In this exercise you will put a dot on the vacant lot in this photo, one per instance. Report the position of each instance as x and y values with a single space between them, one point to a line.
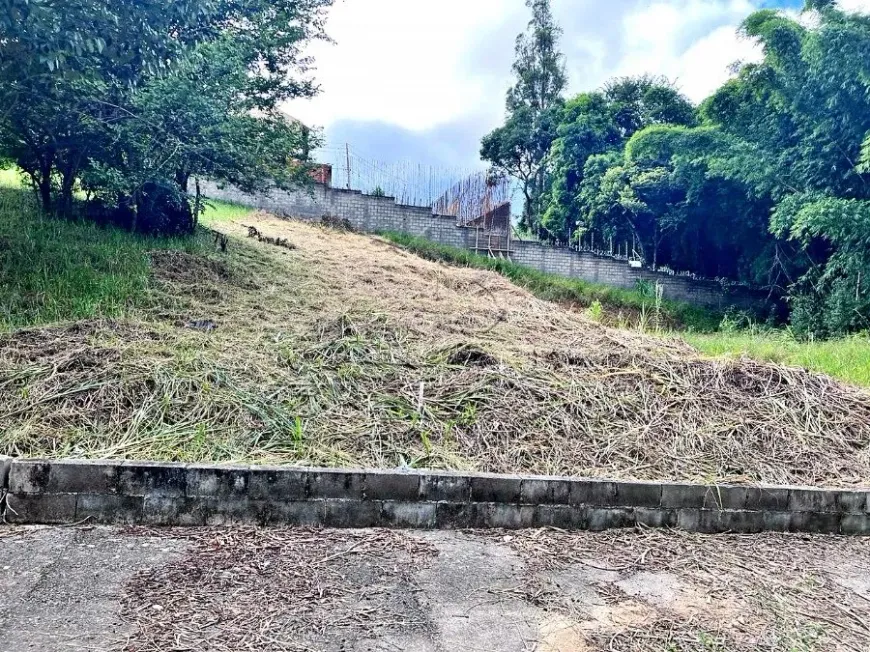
340 349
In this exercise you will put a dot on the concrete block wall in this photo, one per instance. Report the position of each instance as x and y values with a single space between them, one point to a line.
376 214
65 492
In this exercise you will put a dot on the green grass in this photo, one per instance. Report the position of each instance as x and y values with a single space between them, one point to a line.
552 287
54 270
219 211
10 178
847 359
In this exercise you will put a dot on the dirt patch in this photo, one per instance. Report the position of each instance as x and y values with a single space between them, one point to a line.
657 590
277 590
198 275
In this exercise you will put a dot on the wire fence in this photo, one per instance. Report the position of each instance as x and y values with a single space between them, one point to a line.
410 183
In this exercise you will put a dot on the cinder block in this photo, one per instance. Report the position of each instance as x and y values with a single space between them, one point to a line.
445 488
94 477
104 509
496 489
655 517
460 516
5 468
815 522
217 482
509 517
29 476
346 485
767 498
302 513
812 500
277 484
221 512
604 518
545 491
639 494
392 486
745 522
408 515
855 524
563 517
854 502
688 496
352 513
41 509
153 479
593 492
168 511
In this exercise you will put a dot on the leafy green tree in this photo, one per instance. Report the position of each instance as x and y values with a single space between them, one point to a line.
519 148
203 119
596 123
804 110
103 91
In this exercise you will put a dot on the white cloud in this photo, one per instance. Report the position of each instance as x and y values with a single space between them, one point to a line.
438 71
693 42
399 61
862 6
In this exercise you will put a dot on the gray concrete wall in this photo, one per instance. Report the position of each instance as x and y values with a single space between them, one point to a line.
63 492
376 214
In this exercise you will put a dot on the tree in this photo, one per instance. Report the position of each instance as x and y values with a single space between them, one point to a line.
601 122
204 119
804 110
519 148
91 82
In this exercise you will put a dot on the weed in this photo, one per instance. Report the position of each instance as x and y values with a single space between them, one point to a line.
595 311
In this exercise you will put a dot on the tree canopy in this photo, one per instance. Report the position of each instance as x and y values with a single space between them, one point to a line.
766 182
519 148
129 99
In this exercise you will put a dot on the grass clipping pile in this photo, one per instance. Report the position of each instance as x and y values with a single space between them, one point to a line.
347 351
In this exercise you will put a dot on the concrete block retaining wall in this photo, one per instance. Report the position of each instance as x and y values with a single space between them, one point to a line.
376 214
65 492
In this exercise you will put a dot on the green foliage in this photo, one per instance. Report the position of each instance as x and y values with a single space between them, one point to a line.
126 101
768 182
596 124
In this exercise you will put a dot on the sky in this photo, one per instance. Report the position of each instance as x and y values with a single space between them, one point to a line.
424 80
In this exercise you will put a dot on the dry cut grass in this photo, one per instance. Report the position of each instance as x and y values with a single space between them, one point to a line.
348 351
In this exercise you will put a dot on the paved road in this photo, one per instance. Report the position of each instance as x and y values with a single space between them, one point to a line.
105 589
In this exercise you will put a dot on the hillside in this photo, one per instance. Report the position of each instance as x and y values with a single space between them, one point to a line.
340 349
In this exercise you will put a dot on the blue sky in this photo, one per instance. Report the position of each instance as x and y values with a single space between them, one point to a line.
424 80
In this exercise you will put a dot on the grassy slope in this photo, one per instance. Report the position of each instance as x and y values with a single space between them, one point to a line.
848 359
620 307
349 351
53 270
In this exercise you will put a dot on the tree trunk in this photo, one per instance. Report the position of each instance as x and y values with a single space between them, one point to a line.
66 194
45 193
197 207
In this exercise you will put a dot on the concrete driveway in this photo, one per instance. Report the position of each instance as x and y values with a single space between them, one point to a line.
107 589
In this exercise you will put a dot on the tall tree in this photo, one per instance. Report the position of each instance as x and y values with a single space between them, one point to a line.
519 148
104 91
601 122
804 109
